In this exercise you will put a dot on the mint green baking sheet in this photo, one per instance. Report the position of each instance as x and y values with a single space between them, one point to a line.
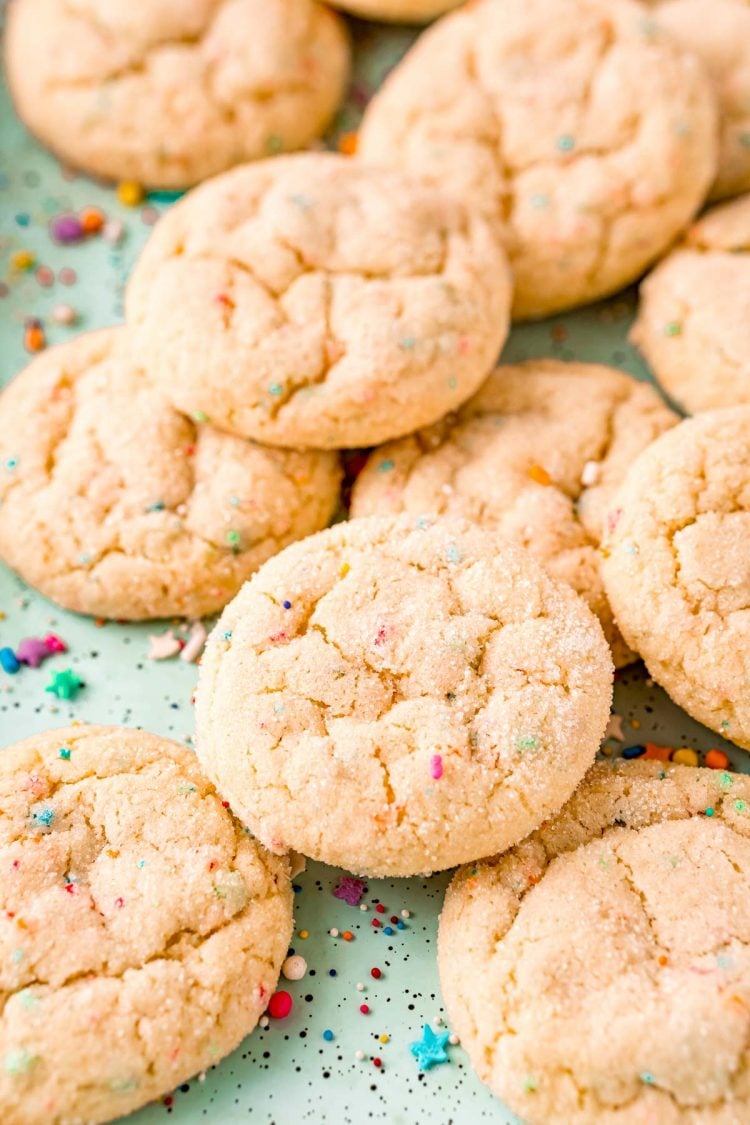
288 1073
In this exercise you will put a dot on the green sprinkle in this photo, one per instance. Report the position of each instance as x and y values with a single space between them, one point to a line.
740 806
16 956
408 343
157 507
276 389
725 780
234 501
529 1084
27 999
673 328
233 539
64 753
386 466
200 416
274 143
565 143
11 464
18 1061
228 635
453 554
526 742
123 1085
709 812
647 1078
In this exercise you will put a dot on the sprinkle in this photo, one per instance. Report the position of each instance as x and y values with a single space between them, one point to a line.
328 1035
67 229
162 646
539 200
65 685
377 1062
716 760
673 328
453 554
347 144
709 812
565 143
8 661
739 806
384 1039
344 570
436 767
430 1050
539 474
685 757
376 973
348 935
195 643
287 605
11 464
364 1009
18 1061
44 816
349 890
636 751
113 231
276 389
658 753
647 1078
526 742
304 934
22 261
333 932
54 643
614 728
280 1005
32 651
591 473
453 1039
34 339
233 539
406 914
64 753
92 220
387 931
64 314
360 986
264 1022
386 466
274 143
130 193
529 1084
359 1055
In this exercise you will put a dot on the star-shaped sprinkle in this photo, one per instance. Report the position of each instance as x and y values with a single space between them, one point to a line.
349 890
614 728
430 1049
65 685
163 645
32 651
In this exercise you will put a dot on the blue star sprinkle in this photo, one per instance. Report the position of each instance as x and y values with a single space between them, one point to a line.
430 1049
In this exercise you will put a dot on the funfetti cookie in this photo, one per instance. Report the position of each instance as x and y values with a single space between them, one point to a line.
169 93
535 455
624 921
580 127
397 696
719 33
312 301
693 323
677 566
142 930
113 503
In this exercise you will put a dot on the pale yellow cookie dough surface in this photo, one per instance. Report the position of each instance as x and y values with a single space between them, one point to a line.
396 11
312 301
693 324
719 33
112 503
599 973
677 566
579 126
169 92
395 696
536 455
142 930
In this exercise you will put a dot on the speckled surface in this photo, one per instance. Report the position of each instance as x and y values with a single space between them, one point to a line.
289 1072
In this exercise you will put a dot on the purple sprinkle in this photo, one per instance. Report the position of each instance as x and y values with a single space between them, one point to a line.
67 229
350 890
32 651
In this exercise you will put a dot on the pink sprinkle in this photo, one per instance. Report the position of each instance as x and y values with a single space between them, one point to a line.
119 903
436 767
54 643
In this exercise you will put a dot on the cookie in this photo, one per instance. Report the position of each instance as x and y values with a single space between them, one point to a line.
170 93
624 922
138 916
511 460
719 33
396 697
677 566
114 504
583 131
397 11
312 301
693 324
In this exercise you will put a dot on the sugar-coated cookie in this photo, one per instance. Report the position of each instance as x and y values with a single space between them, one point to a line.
396 11
169 92
719 32
312 301
599 973
397 696
536 455
693 323
677 566
112 503
578 125
142 930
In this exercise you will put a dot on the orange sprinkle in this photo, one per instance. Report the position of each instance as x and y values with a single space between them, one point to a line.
539 474
344 570
34 339
716 760
304 934
348 144
348 935
635 724
659 753
91 219
663 960
22 261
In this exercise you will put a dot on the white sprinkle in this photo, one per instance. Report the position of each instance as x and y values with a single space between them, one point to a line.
406 914
363 906
295 967
334 932
264 1021
360 986
453 1040
195 643
591 472
113 230
438 1021
64 314
359 1055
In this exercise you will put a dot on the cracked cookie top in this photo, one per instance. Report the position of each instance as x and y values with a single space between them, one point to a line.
136 911
623 922
693 322
577 125
511 460
114 504
397 696
677 566
312 301
172 91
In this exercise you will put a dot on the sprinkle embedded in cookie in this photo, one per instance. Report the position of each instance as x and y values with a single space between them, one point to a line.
312 301
397 696
580 127
114 504
168 93
511 460
624 920
136 912
677 566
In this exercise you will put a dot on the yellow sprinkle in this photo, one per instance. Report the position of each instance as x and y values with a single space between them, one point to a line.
344 570
685 757
130 193
23 260
384 1039
539 474
303 934
635 724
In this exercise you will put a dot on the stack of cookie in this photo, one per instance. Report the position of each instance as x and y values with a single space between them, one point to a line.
427 683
